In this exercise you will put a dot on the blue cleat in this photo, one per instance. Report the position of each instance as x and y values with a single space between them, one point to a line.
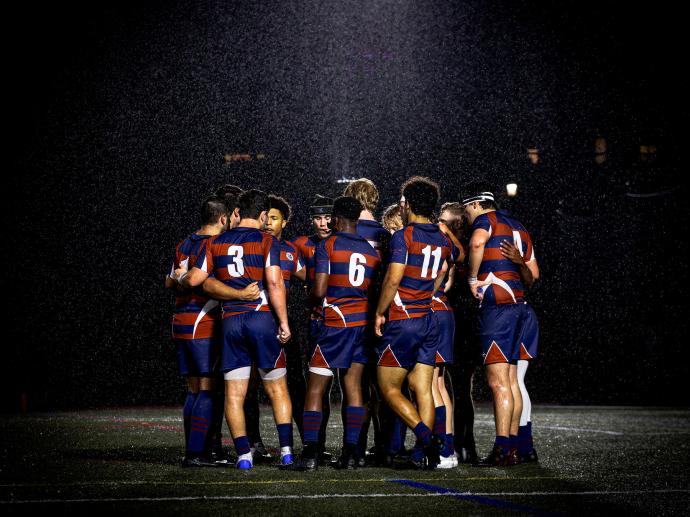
244 464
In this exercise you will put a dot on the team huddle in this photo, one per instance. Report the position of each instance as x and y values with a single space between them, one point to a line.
382 318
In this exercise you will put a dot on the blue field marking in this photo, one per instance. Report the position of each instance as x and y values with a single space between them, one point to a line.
466 496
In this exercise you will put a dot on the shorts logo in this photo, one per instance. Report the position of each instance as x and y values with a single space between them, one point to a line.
289 256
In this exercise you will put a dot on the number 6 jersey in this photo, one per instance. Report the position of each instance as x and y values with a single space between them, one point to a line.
351 263
422 248
237 258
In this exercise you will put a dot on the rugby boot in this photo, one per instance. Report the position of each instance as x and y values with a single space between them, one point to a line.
467 455
529 457
513 458
347 459
260 454
307 460
495 459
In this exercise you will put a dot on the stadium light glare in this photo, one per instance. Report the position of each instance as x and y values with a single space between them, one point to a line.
511 189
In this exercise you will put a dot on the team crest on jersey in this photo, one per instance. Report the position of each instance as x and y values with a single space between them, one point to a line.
289 256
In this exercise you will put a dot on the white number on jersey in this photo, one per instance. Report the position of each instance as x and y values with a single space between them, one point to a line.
357 271
428 253
236 267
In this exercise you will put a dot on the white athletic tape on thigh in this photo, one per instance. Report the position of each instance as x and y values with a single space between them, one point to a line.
321 371
271 374
238 374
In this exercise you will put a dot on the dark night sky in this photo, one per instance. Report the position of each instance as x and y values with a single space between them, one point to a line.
121 115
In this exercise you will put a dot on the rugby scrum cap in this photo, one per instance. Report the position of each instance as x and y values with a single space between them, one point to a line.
321 205
472 196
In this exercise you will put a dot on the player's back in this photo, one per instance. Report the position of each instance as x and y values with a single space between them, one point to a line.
189 303
239 257
422 248
375 234
506 286
351 263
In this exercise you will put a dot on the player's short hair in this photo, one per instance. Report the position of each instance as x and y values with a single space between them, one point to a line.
421 194
231 194
389 214
252 203
281 205
480 191
454 208
212 208
321 205
347 207
364 191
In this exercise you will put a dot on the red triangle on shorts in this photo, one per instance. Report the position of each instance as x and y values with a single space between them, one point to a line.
494 355
317 359
281 362
439 358
524 354
388 358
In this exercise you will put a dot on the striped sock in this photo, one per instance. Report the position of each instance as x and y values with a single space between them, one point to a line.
285 434
241 445
513 439
354 416
395 443
440 421
202 413
450 446
311 422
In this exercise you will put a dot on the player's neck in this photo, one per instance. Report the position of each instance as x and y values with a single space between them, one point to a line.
209 229
348 228
417 219
366 215
249 223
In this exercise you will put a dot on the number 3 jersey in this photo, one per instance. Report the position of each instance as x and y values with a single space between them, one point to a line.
421 248
351 263
504 275
237 258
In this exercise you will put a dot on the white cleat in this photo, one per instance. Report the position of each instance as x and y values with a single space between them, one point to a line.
448 462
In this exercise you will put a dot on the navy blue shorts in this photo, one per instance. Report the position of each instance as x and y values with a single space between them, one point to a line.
529 334
198 357
338 347
503 329
446 336
408 342
251 338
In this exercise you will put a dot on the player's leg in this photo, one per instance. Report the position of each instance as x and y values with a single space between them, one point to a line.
319 381
275 386
529 339
192 392
297 384
355 413
253 416
236 385
517 412
443 421
498 378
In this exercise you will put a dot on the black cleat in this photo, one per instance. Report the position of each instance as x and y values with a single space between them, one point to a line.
466 455
530 457
307 460
260 454
495 459
199 461
432 452
348 459
223 459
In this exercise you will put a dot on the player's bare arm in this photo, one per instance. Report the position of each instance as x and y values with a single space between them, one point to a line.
220 291
318 290
477 243
277 296
512 253
461 251
192 278
390 286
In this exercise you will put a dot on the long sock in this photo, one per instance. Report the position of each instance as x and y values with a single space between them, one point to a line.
285 434
354 416
504 443
217 420
252 415
440 421
325 415
513 440
525 444
187 416
450 446
241 445
395 444
202 414
364 436
423 434
311 422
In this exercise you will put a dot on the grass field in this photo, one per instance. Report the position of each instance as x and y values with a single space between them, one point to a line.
593 460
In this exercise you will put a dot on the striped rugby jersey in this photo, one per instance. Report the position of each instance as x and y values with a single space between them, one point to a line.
506 286
237 258
290 261
421 248
195 313
351 263
375 234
